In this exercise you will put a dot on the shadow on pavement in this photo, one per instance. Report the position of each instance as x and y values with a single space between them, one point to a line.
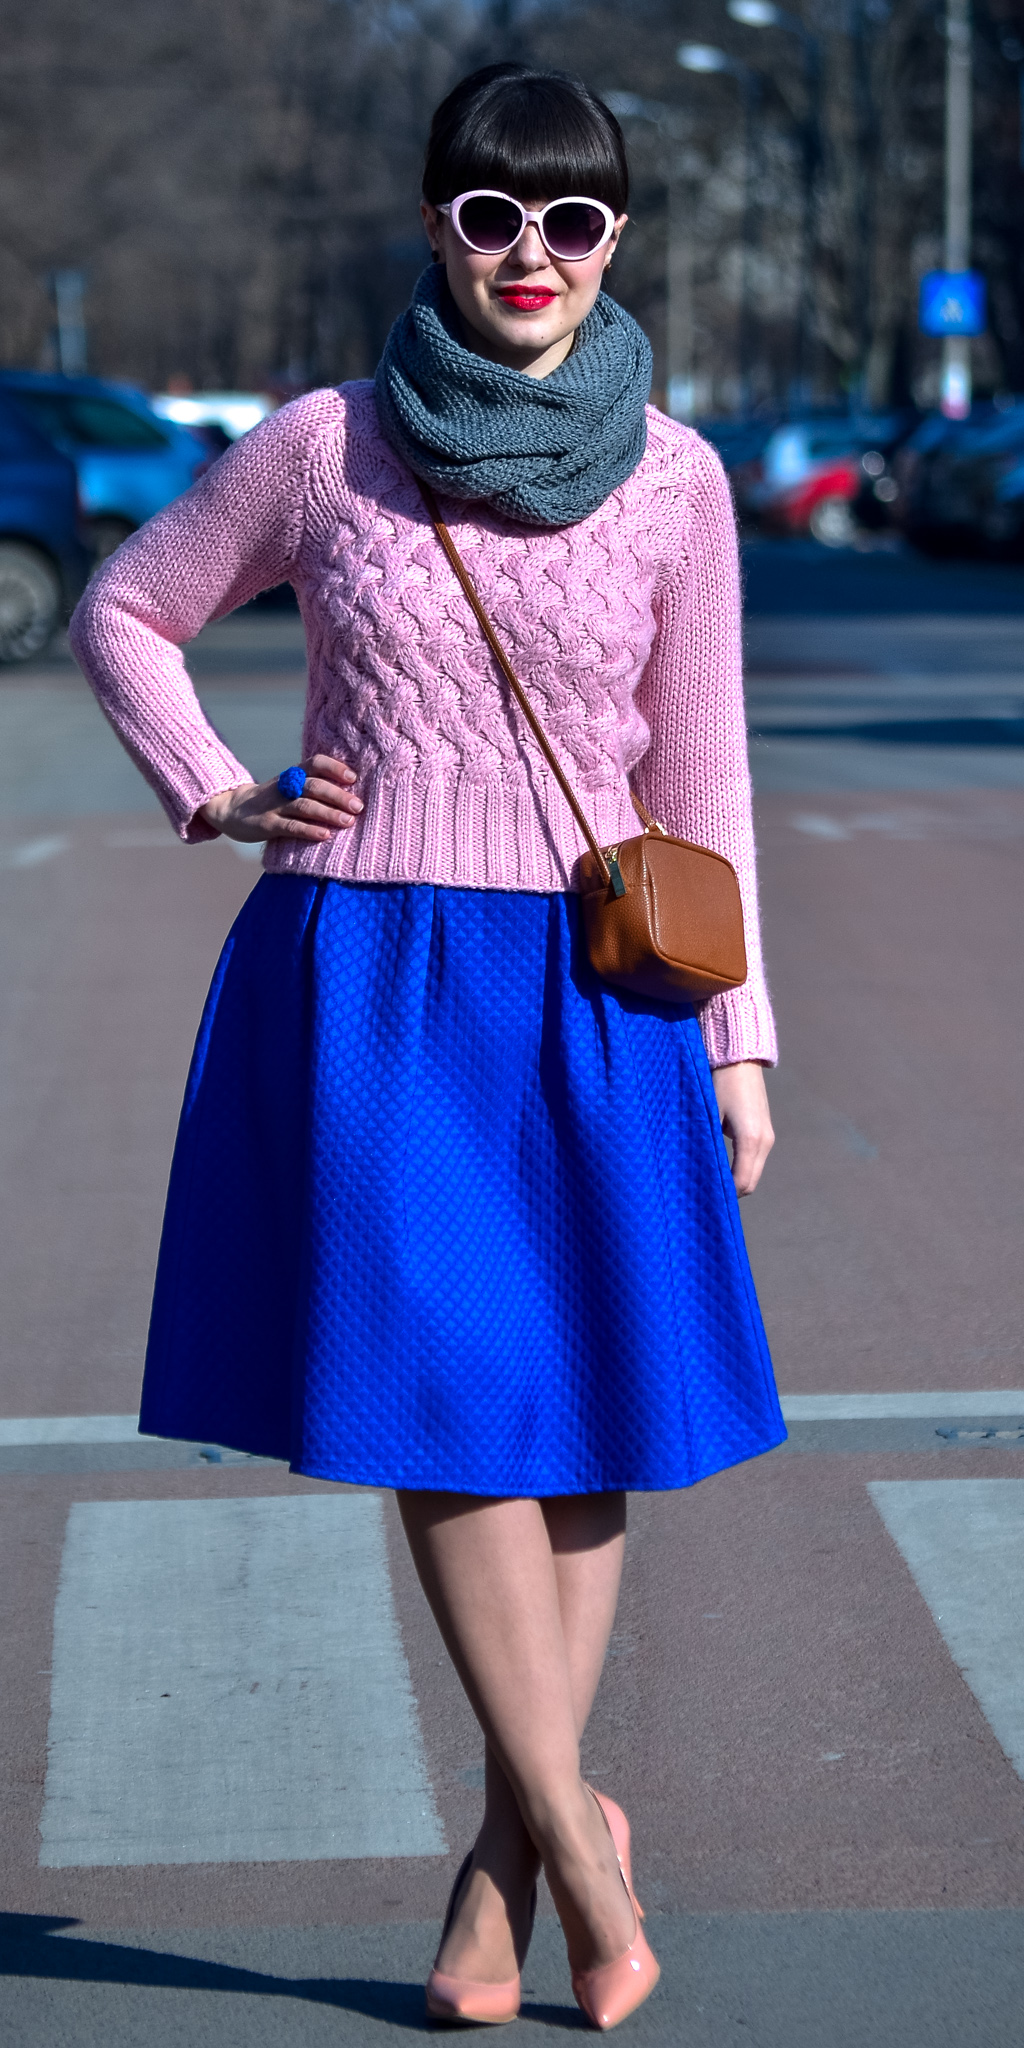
28 1950
907 732
792 576
566 2017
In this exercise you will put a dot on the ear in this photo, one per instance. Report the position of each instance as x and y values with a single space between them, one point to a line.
434 224
614 243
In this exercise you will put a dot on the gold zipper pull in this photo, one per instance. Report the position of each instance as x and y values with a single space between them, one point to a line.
611 854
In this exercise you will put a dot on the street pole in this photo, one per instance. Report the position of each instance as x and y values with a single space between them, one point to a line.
748 84
706 57
69 295
678 167
810 152
956 348
679 389
765 14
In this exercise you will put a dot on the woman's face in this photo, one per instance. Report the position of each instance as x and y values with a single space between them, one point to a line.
524 308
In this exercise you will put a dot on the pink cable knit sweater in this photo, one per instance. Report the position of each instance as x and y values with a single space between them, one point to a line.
625 629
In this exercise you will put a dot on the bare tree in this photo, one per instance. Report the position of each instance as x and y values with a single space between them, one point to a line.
240 184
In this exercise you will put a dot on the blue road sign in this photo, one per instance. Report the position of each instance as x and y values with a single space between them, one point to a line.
952 302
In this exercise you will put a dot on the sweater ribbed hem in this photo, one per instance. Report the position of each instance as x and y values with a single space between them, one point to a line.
462 835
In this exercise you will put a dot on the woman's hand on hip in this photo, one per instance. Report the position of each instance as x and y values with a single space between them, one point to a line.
257 810
746 1119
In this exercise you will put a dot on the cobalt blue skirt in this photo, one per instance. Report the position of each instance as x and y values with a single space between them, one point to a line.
448 1212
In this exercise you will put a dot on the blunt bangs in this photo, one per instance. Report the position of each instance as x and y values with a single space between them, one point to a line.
534 134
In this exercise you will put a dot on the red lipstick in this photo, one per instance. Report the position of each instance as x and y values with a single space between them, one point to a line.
527 298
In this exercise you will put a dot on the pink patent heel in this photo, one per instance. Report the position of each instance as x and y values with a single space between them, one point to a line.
461 1998
481 2005
608 1994
618 1828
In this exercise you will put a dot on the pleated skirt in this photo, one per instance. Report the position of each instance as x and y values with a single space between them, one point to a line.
447 1212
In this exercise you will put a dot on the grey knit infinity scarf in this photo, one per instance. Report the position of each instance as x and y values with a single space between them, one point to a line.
544 450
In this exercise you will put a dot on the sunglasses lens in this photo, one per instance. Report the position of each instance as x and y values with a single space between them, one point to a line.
490 224
573 229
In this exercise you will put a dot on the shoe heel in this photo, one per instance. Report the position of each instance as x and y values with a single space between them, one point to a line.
618 1828
610 1993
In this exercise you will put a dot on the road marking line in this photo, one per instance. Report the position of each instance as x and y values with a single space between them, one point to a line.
141 835
124 1429
963 1540
229 1686
32 852
901 1407
71 1429
819 827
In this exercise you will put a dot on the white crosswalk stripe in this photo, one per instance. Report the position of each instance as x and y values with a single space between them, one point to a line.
963 1540
229 1685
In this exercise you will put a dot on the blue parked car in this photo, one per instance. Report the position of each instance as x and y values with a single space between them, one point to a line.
965 490
43 564
129 461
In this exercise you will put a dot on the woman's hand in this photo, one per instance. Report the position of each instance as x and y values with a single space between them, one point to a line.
257 810
743 1107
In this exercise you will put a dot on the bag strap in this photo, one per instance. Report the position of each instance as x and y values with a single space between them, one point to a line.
514 683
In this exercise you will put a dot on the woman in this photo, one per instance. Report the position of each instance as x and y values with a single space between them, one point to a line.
448 1214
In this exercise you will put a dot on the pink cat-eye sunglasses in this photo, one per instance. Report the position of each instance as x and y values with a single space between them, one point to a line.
491 223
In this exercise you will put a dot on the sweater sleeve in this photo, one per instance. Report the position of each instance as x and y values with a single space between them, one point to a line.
694 776
235 533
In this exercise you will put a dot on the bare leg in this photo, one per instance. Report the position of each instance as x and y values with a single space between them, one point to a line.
524 1593
587 1534
487 1938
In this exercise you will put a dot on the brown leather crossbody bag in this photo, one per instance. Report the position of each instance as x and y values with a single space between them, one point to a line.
662 917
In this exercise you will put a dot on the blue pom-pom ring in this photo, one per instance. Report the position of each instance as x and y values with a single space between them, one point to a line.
292 782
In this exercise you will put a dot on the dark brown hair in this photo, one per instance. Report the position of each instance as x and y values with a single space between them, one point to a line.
534 134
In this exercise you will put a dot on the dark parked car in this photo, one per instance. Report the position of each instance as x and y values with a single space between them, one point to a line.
962 483
129 461
43 564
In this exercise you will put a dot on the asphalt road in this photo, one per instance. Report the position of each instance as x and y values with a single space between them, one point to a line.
236 1772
